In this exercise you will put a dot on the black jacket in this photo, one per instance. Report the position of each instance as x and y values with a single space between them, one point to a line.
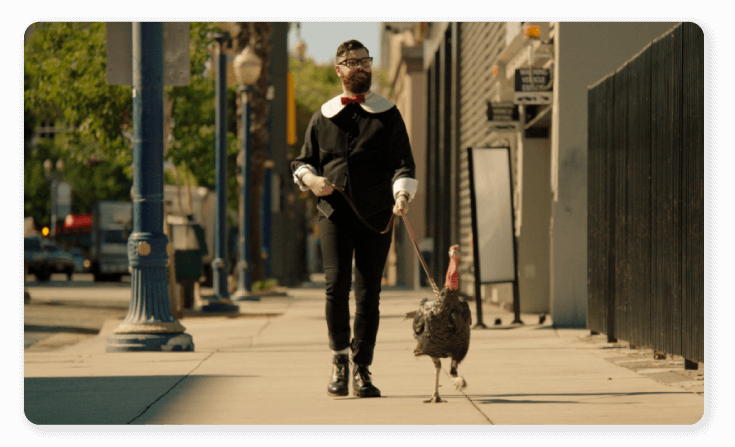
361 152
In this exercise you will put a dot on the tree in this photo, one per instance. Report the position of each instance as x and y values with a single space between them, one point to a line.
257 35
65 81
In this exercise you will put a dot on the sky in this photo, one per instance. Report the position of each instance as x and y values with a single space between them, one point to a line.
323 38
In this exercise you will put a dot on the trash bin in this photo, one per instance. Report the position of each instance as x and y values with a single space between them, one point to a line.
188 252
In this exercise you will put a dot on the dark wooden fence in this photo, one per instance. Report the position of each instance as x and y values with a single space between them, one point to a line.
646 198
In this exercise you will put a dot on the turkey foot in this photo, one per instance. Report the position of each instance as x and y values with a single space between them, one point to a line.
435 397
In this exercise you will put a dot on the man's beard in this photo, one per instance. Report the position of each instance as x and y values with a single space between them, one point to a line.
358 81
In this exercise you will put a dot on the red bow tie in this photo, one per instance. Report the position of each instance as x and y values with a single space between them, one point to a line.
358 99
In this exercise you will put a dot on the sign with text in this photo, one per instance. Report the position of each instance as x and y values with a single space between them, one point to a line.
533 86
502 117
502 111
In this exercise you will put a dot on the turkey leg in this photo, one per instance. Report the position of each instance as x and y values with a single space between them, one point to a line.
459 382
435 397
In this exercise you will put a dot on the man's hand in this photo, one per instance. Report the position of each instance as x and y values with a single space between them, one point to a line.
401 206
320 186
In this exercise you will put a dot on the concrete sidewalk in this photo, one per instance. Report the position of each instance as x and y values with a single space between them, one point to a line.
270 366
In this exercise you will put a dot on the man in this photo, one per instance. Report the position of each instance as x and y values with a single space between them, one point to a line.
357 142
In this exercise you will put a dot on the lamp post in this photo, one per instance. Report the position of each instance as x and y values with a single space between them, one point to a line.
247 67
149 324
54 178
220 302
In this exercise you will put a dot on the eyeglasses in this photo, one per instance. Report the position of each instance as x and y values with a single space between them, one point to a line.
352 63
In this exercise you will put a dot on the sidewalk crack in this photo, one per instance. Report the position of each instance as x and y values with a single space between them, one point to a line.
170 389
489 421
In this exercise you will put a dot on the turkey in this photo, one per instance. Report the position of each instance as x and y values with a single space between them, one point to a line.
442 326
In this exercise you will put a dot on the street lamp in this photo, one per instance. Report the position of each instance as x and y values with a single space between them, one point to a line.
247 66
220 302
149 324
54 178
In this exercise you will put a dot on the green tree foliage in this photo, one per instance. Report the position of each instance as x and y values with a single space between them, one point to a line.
313 86
65 81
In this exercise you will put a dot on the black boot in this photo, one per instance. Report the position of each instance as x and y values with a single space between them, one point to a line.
340 375
362 385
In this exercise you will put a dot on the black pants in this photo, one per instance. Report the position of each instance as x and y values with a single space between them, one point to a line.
342 235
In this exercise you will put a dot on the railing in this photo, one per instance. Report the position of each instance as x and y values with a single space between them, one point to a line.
646 198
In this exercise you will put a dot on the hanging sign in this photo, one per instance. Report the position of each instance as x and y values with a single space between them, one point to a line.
533 86
502 116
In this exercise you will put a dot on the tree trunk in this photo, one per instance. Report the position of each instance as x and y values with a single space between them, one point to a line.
257 34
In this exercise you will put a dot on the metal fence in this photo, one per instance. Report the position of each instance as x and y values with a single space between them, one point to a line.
646 198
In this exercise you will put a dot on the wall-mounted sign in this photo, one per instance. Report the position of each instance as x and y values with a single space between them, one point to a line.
502 116
502 111
533 86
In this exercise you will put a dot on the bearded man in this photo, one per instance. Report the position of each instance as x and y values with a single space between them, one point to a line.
356 143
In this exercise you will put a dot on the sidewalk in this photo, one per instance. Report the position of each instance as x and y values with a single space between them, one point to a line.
270 366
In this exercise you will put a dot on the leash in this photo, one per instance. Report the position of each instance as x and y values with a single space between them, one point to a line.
421 257
357 213
387 229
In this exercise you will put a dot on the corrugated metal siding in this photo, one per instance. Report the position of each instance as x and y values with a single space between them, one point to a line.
480 46
646 213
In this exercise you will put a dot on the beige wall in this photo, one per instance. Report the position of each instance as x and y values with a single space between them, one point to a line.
585 53
409 95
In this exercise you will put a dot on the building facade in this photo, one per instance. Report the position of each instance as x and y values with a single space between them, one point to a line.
469 70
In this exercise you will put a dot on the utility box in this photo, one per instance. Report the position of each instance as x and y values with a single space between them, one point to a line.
187 241
187 252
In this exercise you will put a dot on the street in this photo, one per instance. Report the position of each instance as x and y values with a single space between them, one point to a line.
63 313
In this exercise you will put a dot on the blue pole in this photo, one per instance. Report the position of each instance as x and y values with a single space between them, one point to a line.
245 233
244 285
267 189
221 299
149 324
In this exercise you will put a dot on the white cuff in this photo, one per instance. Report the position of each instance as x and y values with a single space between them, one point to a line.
303 169
407 184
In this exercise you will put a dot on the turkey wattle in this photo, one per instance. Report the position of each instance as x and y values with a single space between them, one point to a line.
442 326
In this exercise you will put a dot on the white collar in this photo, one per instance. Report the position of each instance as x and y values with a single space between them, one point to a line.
374 103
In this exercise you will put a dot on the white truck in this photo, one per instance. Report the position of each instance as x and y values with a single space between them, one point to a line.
112 224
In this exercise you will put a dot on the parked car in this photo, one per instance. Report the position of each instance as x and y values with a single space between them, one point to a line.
44 258
34 256
57 260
